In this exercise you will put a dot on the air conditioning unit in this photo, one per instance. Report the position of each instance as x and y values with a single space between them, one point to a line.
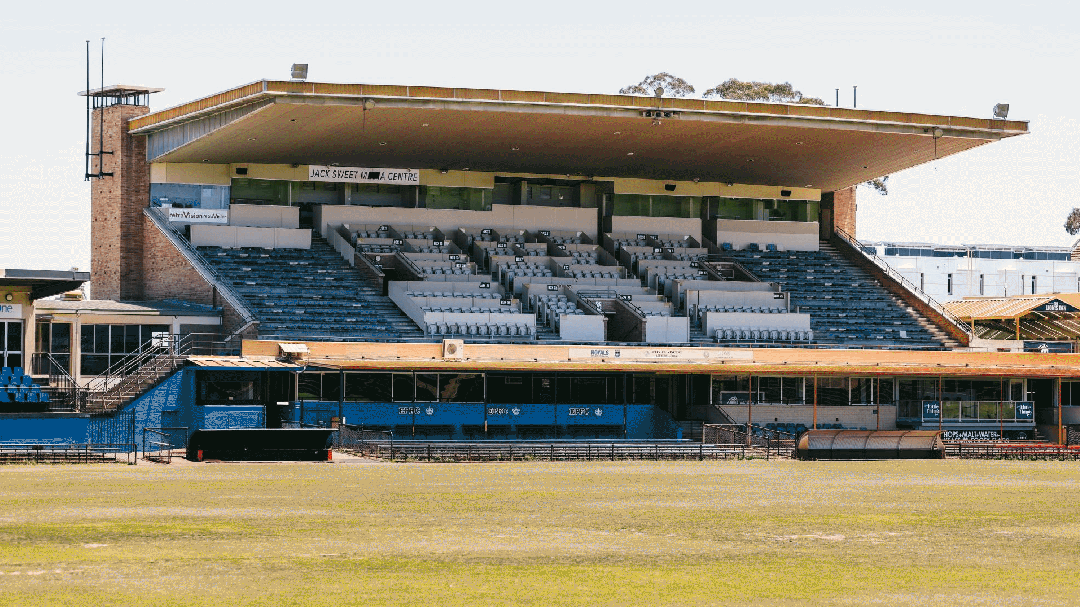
453 349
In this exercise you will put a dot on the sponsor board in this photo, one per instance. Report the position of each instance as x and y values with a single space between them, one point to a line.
198 215
363 175
681 354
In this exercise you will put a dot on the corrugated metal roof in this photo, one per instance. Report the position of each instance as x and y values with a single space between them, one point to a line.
998 307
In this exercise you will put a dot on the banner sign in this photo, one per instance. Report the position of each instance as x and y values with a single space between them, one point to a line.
1055 305
931 409
681 354
361 175
10 310
1025 411
198 215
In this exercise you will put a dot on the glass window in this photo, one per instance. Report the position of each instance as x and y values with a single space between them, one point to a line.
93 364
461 387
259 191
427 387
862 390
769 389
14 337
832 391
331 386
792 390
731 389
86 339
369 387
642 390
61 337
404 387
509 389
436 197
310 386
884 394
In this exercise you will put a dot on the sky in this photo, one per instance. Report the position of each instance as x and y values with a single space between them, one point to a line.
935 57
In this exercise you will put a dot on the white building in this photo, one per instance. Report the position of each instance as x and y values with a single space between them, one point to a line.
952 272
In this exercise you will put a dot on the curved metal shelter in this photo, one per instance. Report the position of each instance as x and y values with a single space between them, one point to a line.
870 444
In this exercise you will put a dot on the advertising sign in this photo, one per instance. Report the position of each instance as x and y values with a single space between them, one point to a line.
198 215
363 175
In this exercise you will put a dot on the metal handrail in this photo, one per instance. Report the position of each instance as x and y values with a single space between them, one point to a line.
192 255
898 277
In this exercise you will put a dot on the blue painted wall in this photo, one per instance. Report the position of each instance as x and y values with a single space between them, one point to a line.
641 421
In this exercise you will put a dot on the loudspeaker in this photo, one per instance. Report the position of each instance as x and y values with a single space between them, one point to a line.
669 187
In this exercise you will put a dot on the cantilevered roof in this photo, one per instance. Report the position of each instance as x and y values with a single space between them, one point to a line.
826 148
44 283
1052 316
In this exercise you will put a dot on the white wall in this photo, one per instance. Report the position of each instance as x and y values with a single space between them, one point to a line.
1002 277
786 235
232 237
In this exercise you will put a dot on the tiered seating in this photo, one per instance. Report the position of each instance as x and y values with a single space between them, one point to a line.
551 308
763 335
309 293
846 305
19 393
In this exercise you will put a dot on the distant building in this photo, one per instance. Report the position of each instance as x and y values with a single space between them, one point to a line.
952 272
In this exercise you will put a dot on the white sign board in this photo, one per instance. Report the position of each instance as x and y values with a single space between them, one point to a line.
680 354
10 310
198 215
362 175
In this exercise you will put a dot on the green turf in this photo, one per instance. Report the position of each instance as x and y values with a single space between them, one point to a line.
686 533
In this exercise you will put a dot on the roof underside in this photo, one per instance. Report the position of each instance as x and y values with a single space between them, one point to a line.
551 133
44 283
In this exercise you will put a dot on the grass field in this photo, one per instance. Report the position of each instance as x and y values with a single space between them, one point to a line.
713 533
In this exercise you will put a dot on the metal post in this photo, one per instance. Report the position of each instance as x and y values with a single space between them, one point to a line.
815 403
940 405
1061 438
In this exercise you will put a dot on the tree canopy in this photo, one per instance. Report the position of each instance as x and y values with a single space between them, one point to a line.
664 83
736 89
1072 222
659 85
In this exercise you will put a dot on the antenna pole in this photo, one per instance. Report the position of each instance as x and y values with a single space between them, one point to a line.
854 95
101 116
86 175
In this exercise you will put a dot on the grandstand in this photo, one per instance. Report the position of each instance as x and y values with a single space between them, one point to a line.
484 264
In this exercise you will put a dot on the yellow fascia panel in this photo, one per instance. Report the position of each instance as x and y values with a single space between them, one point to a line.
689 188
457 179
186 172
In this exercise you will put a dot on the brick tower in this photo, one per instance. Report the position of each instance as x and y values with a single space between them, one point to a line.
120 190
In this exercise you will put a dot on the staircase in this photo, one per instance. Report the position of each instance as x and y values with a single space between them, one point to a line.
134 375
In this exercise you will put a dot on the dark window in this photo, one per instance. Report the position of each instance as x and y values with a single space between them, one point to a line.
310 386
331 386
404 387
427 387
792 390
461 387
509 389
731 389
642 386
369 387
832 391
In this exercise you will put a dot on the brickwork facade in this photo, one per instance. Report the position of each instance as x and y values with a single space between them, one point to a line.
844 210
116 204
168 275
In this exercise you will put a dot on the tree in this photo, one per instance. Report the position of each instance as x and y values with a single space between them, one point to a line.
736 89
1072 222
880 184
658 85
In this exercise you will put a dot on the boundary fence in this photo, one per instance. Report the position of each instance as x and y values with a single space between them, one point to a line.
757 439
1030 450
86 453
